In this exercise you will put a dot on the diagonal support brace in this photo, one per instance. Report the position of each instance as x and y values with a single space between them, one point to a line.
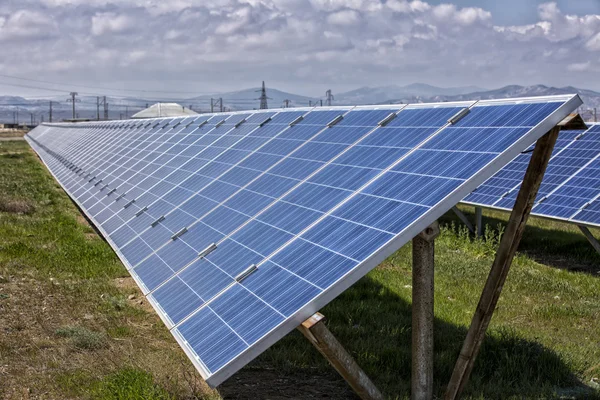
463 219
317 333
590 237
501 266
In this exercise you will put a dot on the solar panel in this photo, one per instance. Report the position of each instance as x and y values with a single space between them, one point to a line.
571 185
239 226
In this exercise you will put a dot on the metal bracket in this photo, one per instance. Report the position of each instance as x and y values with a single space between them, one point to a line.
158 221
297 120
140 212
250 270
129 204
179 233
335 121
239 123
463 218
212 247
387 119
264 122
458 116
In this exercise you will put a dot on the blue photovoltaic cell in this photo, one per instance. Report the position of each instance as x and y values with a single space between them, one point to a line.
239 226
570 187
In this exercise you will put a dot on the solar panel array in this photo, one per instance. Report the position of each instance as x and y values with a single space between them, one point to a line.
239 226
570 190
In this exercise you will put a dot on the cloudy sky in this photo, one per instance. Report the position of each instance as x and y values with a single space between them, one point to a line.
176 47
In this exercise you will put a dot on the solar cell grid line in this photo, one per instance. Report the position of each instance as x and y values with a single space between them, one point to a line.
206 147
104 142
87 161
451 112
127 187
194 250
123 173
252 313
101 138
118 176
196 186
139 143
153 169
203 314
131 191
307 130
508 180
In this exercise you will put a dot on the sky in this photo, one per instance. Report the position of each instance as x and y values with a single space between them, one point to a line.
178 48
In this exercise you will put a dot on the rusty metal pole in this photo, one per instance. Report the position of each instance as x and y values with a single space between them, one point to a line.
422 313
504 256
590 237
317 333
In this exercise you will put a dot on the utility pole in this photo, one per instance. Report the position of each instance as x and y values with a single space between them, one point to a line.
105 109
263 97
73 100
97 108
329 97
286 103
216 102
50 113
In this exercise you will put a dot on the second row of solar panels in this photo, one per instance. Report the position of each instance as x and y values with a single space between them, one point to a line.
570 190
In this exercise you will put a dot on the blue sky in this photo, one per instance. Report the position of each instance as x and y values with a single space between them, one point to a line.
303 46
520 12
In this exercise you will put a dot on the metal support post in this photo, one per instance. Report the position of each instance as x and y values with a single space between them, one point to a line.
317 333
590 237
478 222
501 266
422 313
463 218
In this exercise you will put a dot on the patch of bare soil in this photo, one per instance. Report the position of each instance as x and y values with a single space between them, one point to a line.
251 384
567 263
39 361
16 206
134 294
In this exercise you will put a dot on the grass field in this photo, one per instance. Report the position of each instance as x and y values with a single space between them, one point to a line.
73 325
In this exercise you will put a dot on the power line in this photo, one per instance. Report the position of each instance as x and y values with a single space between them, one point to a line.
102 88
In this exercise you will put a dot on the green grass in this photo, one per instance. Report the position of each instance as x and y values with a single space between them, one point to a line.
543 341
129 384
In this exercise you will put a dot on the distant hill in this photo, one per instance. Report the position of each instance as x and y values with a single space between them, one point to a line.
374 95
248 99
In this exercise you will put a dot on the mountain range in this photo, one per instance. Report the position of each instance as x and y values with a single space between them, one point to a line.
122 107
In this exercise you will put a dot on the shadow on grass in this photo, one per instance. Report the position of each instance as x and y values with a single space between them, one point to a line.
374 324
554 247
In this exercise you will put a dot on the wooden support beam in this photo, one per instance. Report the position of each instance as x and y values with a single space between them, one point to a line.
422 313
590 237
478 222
317 333
501 266
463 218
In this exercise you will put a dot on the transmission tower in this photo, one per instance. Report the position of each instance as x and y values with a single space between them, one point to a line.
105 108
216 103
286 103
263 97
50 113
329 97
73 100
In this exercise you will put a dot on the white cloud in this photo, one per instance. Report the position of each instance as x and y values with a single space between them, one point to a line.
350 42
109 22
